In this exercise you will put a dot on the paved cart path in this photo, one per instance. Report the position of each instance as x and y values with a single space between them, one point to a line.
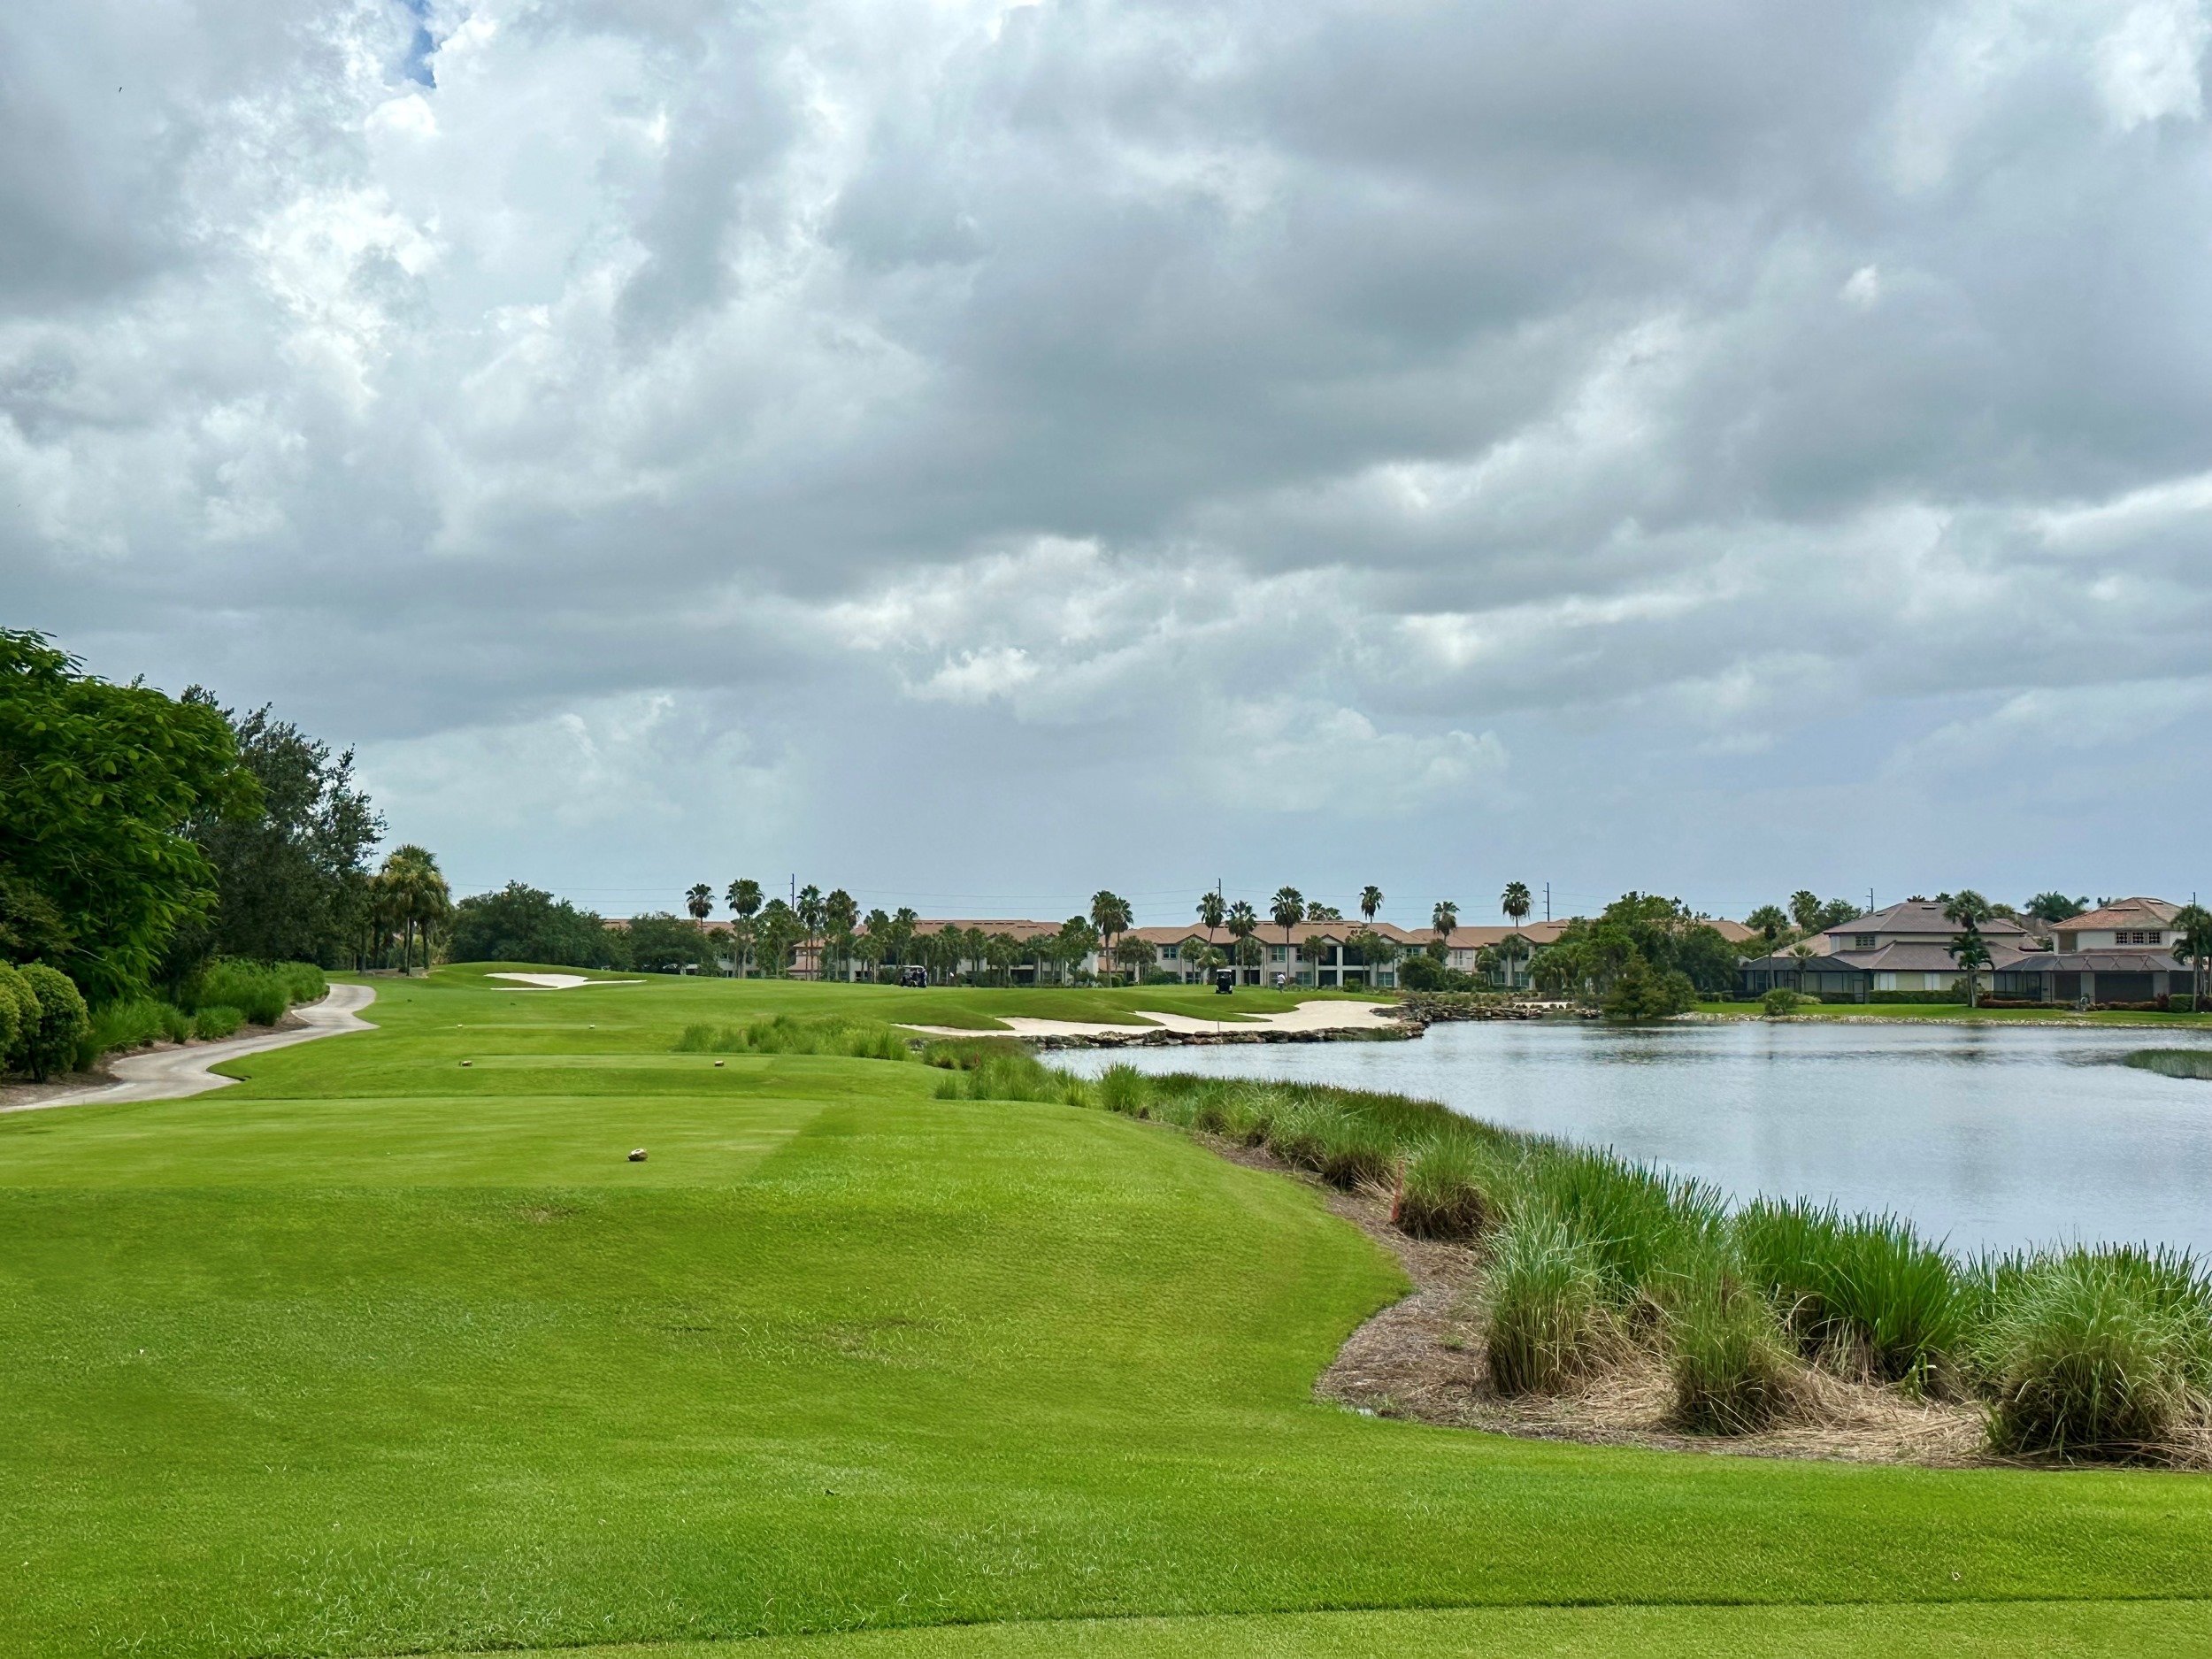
174 1073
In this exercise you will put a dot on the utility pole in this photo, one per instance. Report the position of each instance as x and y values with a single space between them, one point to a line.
1869 901
1547 901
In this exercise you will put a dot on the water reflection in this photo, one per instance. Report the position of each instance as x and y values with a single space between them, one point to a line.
1990 1135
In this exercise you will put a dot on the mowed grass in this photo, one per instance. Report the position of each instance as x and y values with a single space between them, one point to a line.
376 1353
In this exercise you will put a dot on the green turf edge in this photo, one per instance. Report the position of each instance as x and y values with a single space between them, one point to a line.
2153 1630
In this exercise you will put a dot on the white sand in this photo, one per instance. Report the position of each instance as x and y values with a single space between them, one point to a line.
1316 1016
556 981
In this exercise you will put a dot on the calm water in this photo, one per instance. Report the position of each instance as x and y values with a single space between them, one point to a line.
2002 1135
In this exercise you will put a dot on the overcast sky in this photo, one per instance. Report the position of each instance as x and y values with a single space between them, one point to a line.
978 453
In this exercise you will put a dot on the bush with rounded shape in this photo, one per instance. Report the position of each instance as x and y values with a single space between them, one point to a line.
1547 1320
51 1043
1781 1001
18 1015
214 1022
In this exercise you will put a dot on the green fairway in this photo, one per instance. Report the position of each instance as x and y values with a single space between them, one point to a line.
377 1353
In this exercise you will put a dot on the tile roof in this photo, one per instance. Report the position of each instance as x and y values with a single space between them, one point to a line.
2137 913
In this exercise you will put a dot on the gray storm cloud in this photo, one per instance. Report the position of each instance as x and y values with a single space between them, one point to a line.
987 450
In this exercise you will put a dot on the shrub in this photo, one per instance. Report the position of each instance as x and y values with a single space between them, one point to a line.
136 1023
260 994
304 981
1725 1358
827 1034
1547 1319
49 1042
1781 1001
1443 1190
1868 1284
18 1015
2103 1352
696 1040
1641 992
214 1022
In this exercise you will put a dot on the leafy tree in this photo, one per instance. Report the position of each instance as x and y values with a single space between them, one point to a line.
1641 992
1370 902
289 876
1078 939
778 930
1515 901
525 923
1248 950
1372 950
2055 906
98 785
662 942
48 1043
699 902
1287 910
1836 912
1135 956
1771 921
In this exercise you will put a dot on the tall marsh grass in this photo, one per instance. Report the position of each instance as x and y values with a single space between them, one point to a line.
820 1034
1864 1289
1548 1316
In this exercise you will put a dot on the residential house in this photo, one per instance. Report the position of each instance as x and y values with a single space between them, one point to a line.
1902 947
2121 952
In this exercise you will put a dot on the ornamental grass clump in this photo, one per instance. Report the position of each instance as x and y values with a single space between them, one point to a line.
2102 1352
1548 1322
1646 1229
137 1022
1123 1089
1012 1074
832 1035
1864 1290
1726 1361
1443 1188
261 994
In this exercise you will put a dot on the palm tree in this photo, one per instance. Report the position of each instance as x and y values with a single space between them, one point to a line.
699 902
2193 944
1371 900
1211 912
1442 919
1288 910
744 899
1515 901
809 910
417 897
1971 951
1109 914
1242 921
840 915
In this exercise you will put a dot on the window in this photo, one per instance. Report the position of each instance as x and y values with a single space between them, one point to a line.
2069 942
2156 936
1276 953
1167 952
1864 941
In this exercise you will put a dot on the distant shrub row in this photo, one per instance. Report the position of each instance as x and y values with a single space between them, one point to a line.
46 1027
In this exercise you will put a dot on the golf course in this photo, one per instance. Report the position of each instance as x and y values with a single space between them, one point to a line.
392 1347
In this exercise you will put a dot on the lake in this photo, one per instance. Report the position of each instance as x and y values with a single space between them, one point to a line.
1989 1136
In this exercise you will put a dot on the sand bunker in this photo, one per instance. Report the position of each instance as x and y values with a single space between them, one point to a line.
556 981
1316 1016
